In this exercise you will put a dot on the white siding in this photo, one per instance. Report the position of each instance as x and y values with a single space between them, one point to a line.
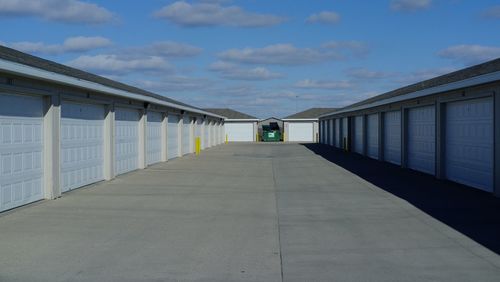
358 134
422 139
469 143
126 140
154 137
301 132
21 146
206 140
392 137
372 136
173 136
82 130
239 131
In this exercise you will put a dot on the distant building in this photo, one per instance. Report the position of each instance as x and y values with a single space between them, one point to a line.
240 127
303 126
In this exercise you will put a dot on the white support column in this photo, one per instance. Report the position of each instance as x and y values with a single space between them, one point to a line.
202 133
143 140
109 143
164 138
52 147
192 124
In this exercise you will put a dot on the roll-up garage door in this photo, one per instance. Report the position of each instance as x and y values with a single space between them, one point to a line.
469 143
197 131
239 131
337 133
392 137
323 132
372 136
153 143
422 139
21 146
358 134
173 136
186 135
301 132
331 132
212 132
82 127
206 140
345 128
126 140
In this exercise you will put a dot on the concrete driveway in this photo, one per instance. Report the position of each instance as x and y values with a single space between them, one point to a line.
248 212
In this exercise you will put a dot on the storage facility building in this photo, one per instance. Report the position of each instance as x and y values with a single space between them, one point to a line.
448 126
62 128
239 127
303 126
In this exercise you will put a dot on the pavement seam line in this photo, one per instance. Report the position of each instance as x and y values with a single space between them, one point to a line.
277 218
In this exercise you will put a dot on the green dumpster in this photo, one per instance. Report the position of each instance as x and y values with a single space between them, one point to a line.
271 133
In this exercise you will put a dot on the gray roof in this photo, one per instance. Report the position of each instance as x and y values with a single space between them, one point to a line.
311 113
33 61
229 113
470 72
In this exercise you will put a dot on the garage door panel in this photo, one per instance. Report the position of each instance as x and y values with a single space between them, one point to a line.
302 131
239 131
173 136
21 147
186 135
337 133
126 140
372 130
469 143
206 133
82 142
422 139
358 134
154 137
392 137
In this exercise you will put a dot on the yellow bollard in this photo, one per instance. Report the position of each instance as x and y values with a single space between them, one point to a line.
198 146
227 139
257 137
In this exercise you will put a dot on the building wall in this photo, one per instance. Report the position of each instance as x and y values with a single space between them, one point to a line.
439 102
56 98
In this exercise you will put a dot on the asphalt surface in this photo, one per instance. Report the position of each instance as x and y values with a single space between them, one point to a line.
247 212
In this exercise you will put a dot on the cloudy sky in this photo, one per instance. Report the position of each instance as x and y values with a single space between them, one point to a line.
262 57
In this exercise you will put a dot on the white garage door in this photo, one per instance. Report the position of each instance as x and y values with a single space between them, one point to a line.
422 139
154 137
173 136
372 136
186 135
337 133
82 127
239 131
469 143
126 140
206 140
212 132
331 132
358 134
301 132
392 137
21 145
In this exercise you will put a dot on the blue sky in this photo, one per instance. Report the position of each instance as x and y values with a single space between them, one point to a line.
265 58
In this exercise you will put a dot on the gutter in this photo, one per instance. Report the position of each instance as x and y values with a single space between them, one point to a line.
241 119
472 81
300 119
37 73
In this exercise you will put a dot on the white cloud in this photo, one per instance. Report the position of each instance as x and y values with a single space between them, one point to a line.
470 54
116 65
287 54
323 84
168 49
363 73
234 72
410 5
70 45
213 14
492 12
67 11
324 17
175 83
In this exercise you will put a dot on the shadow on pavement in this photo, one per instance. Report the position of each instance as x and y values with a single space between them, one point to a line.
471 212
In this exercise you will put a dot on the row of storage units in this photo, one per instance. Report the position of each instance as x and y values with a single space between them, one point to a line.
450 135
89 137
